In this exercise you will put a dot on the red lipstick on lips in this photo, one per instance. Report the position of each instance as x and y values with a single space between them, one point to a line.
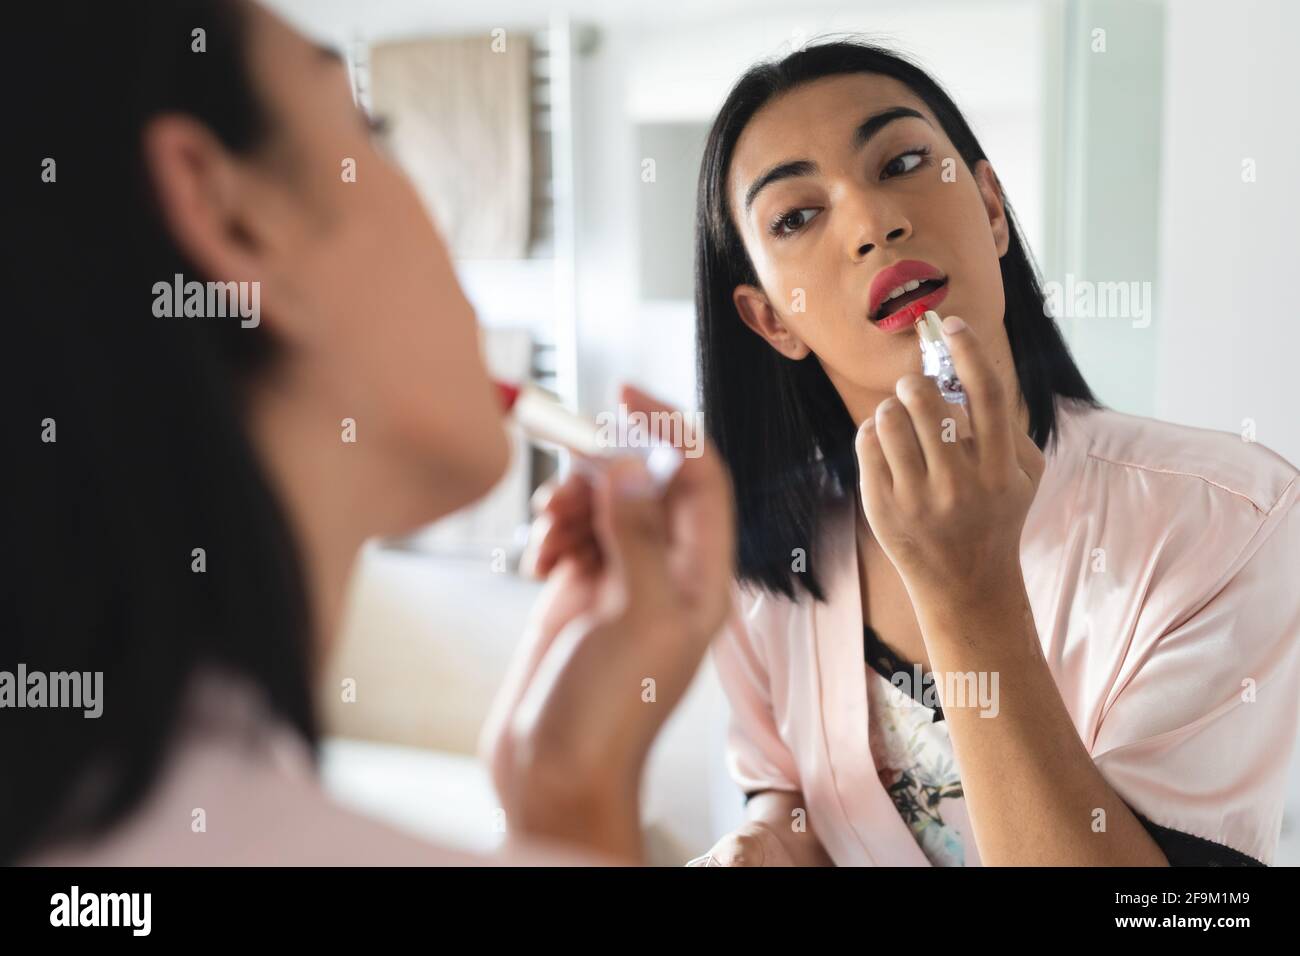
907 316
508 393
901 273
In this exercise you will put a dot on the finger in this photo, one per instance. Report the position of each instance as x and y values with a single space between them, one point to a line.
933 420
558 545
587 557
549 537
899 442
542 495
701 514
738 850
564 520
986 395
632 530
583 560
874 478
570 496
570 509
676 431
960 412
536 532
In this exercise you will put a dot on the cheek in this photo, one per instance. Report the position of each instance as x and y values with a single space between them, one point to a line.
432 366
802 279
975 260
987 297
394 327
423 325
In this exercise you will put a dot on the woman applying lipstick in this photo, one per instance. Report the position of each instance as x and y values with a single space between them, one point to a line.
186 524
1113 583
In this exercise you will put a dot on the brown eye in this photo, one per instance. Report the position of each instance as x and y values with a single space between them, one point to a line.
905 162
792 221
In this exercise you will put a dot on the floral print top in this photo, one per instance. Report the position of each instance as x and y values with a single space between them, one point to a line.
913 755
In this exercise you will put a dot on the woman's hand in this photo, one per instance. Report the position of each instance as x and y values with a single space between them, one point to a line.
638 584
946 494
771 836
751 844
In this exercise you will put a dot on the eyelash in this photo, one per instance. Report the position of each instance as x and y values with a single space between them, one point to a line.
775 227
922 151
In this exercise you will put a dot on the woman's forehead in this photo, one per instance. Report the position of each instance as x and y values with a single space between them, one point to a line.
822 113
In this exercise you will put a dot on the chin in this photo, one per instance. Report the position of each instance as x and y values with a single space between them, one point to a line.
478 463
496 457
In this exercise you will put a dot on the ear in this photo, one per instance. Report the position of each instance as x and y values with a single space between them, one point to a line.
991 192
756 312
209 201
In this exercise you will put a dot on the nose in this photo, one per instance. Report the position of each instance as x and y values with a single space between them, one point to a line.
872 221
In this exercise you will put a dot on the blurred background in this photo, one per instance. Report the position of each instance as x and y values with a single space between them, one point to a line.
1147 147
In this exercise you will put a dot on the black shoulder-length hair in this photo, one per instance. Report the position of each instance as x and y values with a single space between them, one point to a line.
126 439
779 424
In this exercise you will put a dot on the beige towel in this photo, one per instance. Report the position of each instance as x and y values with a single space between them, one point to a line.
460 109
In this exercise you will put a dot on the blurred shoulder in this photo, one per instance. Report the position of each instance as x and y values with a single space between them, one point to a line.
241 788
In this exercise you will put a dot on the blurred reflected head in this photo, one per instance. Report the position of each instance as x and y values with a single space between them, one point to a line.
184 481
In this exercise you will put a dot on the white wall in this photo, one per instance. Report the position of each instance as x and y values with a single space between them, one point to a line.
1229 334
1104 192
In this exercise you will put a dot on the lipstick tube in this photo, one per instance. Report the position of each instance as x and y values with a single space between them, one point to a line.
936 360
544 420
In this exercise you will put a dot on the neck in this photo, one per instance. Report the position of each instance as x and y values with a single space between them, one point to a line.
316 476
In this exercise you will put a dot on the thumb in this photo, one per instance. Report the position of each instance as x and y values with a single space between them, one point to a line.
632 530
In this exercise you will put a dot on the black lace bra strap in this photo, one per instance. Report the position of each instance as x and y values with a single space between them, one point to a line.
882 659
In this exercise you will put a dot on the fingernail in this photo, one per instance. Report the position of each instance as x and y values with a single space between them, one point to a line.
953 324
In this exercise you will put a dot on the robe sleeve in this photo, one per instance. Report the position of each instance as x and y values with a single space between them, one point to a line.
1198 738
757 758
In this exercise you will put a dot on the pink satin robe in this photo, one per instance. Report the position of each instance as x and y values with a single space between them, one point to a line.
1154 655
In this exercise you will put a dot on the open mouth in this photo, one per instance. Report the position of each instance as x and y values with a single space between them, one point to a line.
904 295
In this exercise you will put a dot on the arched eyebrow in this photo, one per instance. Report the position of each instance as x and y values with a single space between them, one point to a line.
803 167
792 170
876 122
